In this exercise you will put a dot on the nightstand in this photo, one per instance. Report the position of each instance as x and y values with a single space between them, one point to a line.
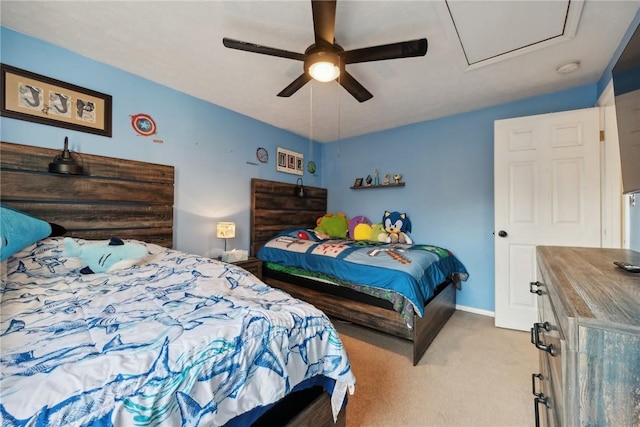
252 265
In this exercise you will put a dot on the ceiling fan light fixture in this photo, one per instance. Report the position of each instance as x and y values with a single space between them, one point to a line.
323 66
325 60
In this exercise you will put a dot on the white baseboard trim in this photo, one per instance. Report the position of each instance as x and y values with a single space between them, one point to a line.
475 310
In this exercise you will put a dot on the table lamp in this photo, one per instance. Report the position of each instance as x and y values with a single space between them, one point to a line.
226 230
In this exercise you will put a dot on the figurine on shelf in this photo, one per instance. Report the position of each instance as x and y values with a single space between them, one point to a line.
396 178
376 180
386 179
369 179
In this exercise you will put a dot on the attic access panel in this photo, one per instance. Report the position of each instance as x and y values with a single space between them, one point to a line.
493 31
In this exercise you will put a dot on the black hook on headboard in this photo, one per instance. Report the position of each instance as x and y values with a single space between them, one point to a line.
299 190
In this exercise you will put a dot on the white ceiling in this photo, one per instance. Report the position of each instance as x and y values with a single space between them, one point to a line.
481 53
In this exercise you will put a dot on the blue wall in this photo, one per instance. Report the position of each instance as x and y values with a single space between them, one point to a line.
446 163
208 145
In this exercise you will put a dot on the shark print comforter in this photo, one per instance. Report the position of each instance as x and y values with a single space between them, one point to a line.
175 340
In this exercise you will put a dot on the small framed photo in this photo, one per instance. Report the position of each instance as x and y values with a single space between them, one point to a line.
290 161
358 182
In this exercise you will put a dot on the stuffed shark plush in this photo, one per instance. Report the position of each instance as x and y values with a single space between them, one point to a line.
105 256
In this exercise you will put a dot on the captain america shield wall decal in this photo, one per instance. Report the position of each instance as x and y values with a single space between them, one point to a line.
143 124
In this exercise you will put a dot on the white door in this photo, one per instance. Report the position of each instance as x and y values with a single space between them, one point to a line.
547 192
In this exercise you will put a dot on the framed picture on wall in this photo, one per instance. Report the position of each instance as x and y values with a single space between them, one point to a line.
290 161
282 160
40 99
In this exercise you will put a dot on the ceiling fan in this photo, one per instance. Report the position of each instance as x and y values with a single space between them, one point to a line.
325 60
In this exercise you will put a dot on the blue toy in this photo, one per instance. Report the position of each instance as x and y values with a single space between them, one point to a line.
19 230
105 256
396 225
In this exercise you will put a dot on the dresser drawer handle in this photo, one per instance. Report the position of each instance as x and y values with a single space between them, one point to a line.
533 384
537 401
535 291
535 338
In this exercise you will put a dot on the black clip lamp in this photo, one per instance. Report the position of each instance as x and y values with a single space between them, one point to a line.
64 163
299 190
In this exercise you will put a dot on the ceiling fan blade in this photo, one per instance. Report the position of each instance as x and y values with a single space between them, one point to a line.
324 21
406 49
295 85
354 87
265 50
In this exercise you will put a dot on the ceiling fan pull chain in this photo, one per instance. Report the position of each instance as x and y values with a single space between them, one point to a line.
311 123
339 123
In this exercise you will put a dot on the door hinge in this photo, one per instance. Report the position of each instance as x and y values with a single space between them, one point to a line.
601 135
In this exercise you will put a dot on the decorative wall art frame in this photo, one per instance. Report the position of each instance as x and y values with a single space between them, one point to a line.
39 99
290 161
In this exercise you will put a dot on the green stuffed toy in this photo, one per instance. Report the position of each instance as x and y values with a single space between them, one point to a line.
331 225
377 233
105 256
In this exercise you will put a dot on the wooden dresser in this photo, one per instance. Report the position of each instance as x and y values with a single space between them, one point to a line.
588 336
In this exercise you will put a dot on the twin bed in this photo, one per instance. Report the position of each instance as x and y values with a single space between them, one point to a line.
411 299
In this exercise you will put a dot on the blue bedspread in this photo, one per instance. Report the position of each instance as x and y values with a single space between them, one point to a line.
177 340
414 271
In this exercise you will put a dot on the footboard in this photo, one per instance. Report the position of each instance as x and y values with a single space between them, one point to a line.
436 313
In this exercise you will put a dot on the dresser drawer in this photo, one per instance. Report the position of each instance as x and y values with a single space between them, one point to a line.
546 413
550 339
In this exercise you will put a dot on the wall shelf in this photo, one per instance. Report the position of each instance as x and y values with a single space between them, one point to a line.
367 187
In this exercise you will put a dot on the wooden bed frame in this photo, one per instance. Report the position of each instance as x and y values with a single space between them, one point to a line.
274 207
114 197
128 199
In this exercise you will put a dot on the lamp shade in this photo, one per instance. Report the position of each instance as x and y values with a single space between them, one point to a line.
226 230
324 71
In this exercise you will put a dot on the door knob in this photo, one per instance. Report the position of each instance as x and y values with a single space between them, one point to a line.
502 233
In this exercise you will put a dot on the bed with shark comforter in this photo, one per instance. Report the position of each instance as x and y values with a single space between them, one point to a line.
173 340
176 339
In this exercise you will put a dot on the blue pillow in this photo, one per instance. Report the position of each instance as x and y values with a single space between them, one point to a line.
19 230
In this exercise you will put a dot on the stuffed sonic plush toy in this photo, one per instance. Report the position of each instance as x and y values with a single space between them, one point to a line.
105 256
397 225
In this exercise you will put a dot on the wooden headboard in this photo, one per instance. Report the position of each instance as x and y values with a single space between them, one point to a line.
114 197
275 207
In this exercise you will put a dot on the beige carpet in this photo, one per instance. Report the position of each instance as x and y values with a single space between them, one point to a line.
473 374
